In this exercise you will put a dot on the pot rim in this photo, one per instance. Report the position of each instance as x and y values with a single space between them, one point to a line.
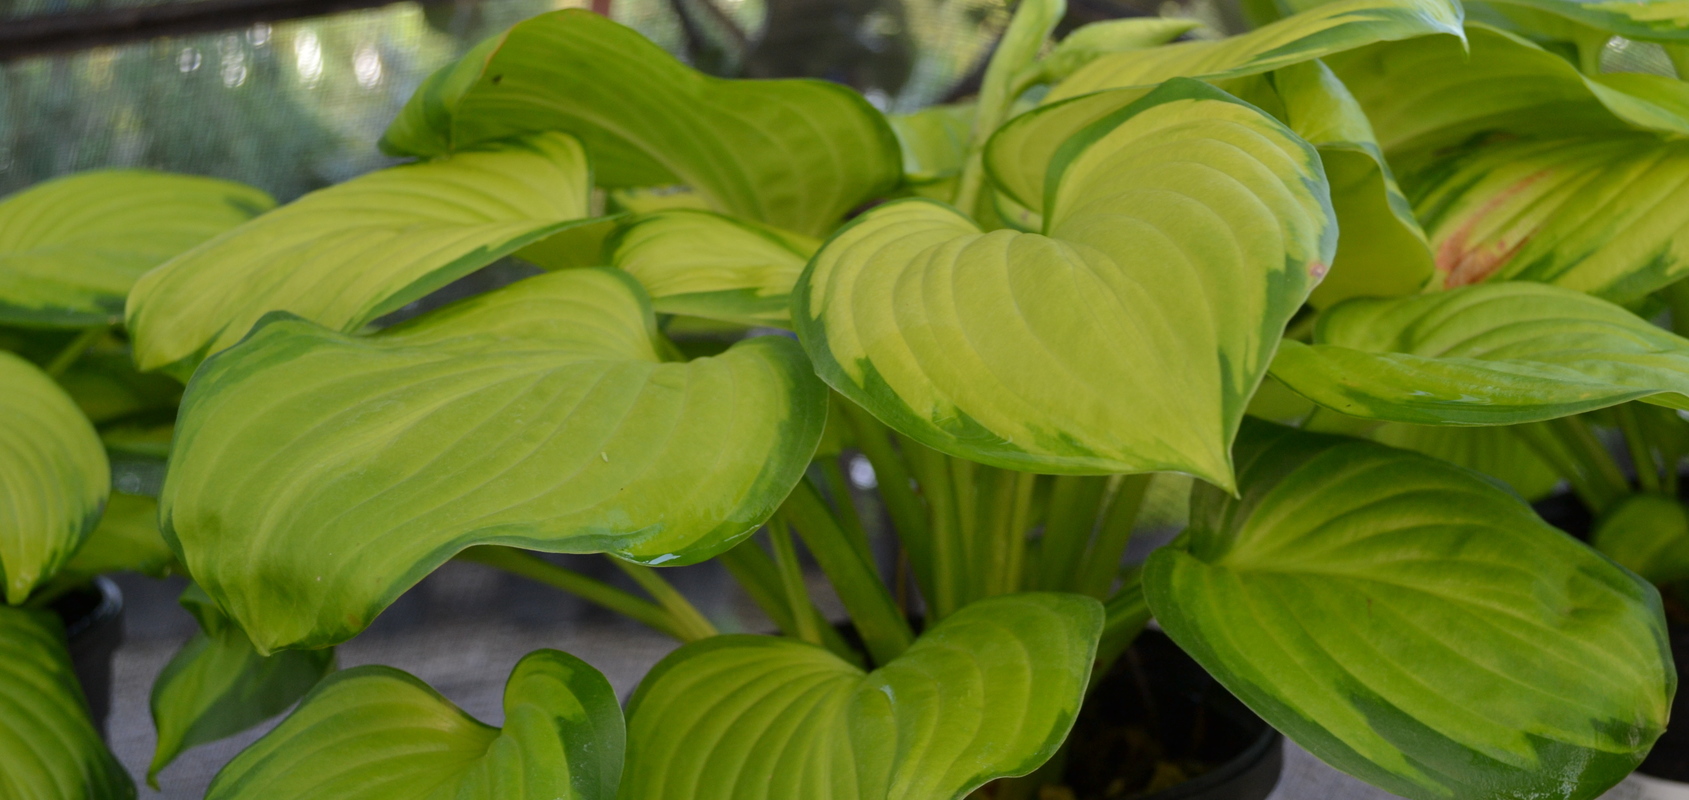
110 605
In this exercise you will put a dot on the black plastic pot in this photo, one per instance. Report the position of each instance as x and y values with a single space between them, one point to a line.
1670 757
93 619
1158 692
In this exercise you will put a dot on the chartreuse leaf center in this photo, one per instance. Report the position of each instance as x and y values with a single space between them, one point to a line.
54 477
1493 354
70 248
991 691
1415 625
1182 233
375 733
703 264
798 154
345 255
317 475
47 743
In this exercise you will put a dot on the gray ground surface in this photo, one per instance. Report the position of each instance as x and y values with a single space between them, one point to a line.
461 631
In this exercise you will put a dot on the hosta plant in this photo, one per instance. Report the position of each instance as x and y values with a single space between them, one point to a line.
1373 274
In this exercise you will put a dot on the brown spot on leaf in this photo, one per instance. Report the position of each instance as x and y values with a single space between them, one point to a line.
1464 262
1317 270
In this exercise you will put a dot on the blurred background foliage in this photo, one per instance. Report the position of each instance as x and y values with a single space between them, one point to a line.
295 105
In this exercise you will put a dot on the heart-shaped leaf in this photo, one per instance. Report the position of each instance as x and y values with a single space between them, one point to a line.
706 265
47 743
345 255
1607 215
797 154
54 477
375 733
991 691
1430 93
315 476
1649 535
1492 354
1182 233
1020 153
1415 625
217 685
70 248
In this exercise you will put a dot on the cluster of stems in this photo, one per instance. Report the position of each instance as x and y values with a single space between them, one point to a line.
963 532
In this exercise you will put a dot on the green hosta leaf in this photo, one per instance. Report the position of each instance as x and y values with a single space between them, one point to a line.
797 154
375 733
1184 230
934 141
1649 535
1020 152
706 265
1496 451
1319 32
1493 354
1430 93
54 477
1607 215
127 540
1382 252
345 255
1649 20
107 387
316 476
990 691
218 686
144 440
1414 625
47 743
649 199
1093 41
71 248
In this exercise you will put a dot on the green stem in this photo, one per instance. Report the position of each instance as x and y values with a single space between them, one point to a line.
1074 502
791 579
1547 445
870 605
534 568
934 469
1604 474
74 350
1636 441
896 490
1102 566
1011 576
1676 296
693 625
1030 26
1124 617
760 578
963 474
844 505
